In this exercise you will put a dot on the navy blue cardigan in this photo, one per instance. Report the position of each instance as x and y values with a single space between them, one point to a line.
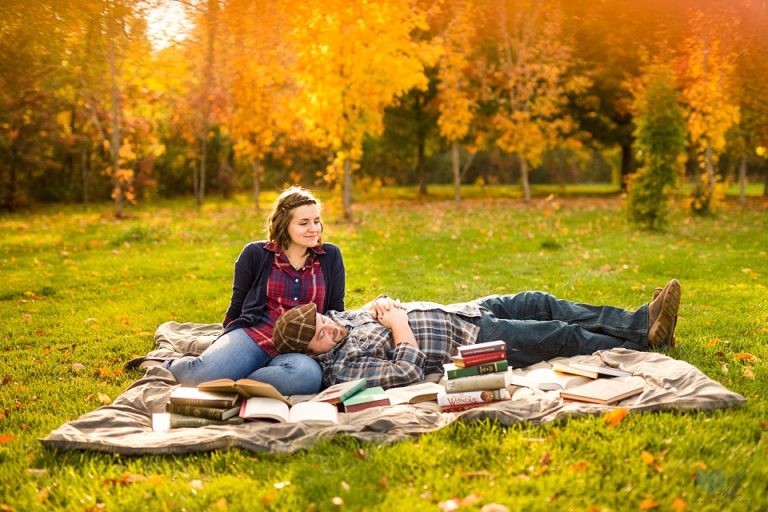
249 289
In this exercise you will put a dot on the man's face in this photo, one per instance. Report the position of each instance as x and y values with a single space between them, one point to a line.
327 334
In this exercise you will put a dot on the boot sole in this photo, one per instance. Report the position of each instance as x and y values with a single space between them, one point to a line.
662 331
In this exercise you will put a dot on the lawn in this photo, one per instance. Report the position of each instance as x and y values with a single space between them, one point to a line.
81 293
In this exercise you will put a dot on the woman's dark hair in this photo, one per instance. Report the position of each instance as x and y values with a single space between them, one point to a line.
278 220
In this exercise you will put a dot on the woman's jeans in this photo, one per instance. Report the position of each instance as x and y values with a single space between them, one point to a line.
537 326
236 356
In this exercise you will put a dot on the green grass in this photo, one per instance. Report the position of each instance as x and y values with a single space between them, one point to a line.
80 287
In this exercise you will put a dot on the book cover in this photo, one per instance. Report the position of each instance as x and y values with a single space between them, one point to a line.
338 392
270 409
472 397
490 357
482 348
454 372
414 393
243 387
604 391
211 413
365 399
477 382
193 396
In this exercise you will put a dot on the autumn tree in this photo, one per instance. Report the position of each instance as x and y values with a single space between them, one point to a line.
660 139
257 81
709 95
531 81
458 96
353 59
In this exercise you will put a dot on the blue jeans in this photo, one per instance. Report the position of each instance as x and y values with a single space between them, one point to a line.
537 326
236 356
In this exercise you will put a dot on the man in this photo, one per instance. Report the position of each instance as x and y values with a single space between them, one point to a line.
399 345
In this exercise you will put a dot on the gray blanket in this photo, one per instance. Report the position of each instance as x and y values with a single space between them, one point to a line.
125 426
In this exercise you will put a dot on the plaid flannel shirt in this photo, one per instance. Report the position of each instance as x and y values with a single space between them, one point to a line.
287 288
369 352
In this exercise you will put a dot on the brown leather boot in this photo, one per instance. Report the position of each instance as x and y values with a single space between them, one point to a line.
662 315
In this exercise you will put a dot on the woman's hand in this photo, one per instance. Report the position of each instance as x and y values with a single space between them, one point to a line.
382 305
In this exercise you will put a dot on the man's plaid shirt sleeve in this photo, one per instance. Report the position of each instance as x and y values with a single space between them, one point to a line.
404 368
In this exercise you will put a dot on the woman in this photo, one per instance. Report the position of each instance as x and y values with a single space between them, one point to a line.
292 268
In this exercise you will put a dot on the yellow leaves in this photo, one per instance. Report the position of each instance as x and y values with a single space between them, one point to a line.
5 438
678 504
651 461
614 417
649 504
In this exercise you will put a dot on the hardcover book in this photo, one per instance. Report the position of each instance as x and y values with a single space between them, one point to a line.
477 382
472 397
365 399
454 372
482 348
270 409
464 407
588 370
475 360
197 397
338 392
211 413
603 391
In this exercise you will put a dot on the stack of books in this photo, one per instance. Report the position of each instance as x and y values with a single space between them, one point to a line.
192 407
354 396
478 376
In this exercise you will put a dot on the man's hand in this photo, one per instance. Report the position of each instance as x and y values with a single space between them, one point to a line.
397 320
382 305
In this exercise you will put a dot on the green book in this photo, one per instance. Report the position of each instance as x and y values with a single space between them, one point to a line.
454 372
371 397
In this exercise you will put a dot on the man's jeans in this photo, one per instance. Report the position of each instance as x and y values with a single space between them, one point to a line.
235 356
537 326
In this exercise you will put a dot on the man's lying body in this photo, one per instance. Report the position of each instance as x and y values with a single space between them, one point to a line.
398 346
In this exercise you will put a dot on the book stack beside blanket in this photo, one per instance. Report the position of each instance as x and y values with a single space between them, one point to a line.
477 377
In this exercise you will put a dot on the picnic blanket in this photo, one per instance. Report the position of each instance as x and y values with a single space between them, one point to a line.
125 426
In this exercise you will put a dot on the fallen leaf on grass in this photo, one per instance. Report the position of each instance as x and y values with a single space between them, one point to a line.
748 373
649 460
4 438
5 508
679 505
648 504
42 496
7 380
614 417
494 507
744 356
78 366
221 504
104 398
579 466
338 501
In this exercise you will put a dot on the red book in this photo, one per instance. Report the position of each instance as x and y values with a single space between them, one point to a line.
464 407
467 361
482 348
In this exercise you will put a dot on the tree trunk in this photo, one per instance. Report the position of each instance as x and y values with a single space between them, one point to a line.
119 192
524 180
85 171
743 180
256 168
420 165
710 167
456 164
627 163
346 192
200 188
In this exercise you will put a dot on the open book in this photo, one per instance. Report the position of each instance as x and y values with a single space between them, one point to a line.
415 393
547 380
244 387
263 408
